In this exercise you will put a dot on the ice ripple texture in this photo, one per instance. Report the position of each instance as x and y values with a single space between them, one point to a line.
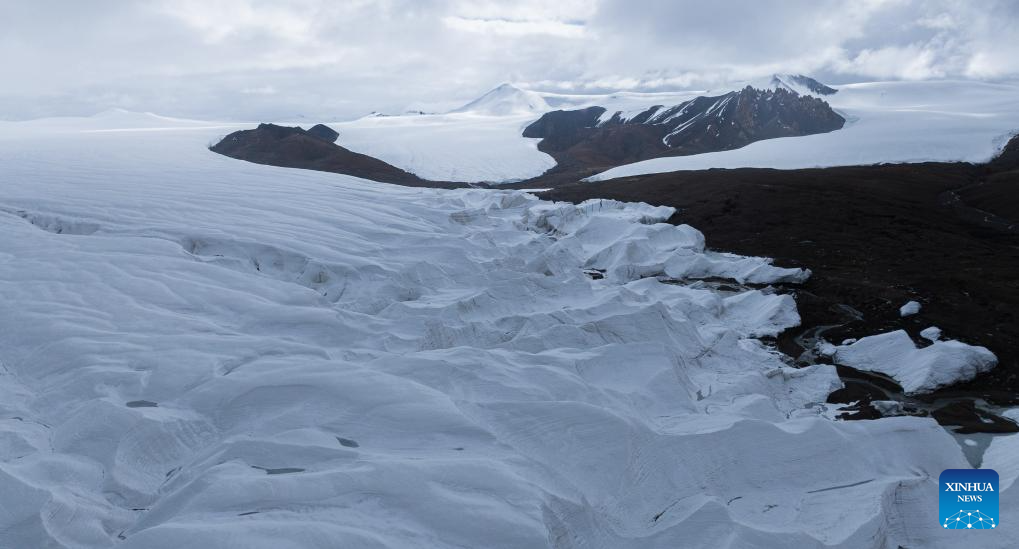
199 352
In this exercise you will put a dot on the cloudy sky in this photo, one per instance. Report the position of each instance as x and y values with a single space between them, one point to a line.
334 59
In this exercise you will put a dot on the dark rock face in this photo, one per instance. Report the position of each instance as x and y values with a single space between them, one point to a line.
970 419
739 118
322 131
296 148
561 130
584 141
1008 158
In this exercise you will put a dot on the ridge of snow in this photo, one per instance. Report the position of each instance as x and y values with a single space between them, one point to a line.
505 100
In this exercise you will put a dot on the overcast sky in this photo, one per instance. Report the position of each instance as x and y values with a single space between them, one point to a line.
334 59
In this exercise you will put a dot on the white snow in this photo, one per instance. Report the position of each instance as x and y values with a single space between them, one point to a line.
825 348
506 99
909 309
886 122
450 147
774 81
201 352
932 333
627 104
941 364
789 82
1002 455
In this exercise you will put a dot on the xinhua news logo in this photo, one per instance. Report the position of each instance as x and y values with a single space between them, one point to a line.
969 499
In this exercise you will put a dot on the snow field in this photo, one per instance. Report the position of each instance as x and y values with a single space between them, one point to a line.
201 352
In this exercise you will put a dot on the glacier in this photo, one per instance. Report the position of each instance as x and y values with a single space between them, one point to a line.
201 352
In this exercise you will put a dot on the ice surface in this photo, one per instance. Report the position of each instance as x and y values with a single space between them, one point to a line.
201 352
923 370
886 122
909 309
463 146
932 333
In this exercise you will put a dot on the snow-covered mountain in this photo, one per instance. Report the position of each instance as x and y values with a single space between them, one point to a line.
504 100
797 83
886 122
803 85
201 352
482 141
596 138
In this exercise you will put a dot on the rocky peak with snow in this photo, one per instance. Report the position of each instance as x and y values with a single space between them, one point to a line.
802 85
506 99
737 119
596 137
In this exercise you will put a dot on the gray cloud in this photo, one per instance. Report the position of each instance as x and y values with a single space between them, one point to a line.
261 59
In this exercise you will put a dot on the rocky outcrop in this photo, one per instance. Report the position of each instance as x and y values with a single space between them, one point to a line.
561 130
293 147
1008 158
322 131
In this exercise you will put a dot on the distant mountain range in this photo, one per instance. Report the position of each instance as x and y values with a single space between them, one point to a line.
583 141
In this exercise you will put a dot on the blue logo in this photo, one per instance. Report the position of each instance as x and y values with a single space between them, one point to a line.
969 499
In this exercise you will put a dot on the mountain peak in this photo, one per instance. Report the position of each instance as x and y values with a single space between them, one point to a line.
803 85
506 99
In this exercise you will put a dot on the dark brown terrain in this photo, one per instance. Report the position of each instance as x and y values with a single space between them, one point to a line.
297 148
875 237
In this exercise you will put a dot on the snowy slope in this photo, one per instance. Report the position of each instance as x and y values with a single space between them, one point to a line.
201 352
506 99
480 141
449 147
886 122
